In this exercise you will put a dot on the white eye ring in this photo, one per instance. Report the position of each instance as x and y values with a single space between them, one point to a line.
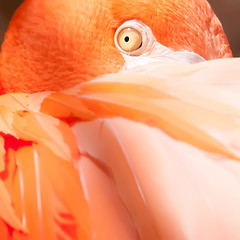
140 39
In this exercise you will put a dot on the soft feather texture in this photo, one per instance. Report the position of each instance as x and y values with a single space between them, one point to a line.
144 154
123 172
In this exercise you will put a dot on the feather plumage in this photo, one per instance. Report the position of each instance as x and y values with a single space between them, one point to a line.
138 154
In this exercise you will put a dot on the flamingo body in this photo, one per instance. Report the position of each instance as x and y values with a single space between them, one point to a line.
90 150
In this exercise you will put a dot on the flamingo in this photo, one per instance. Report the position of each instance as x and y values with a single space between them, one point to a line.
118 122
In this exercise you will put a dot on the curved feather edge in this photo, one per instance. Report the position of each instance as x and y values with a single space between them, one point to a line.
194 103
41 193
189 136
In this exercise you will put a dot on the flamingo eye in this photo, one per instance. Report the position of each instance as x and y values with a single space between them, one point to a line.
129 40
137 44
134 38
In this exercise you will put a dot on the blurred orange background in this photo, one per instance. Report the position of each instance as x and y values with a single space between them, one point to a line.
228 12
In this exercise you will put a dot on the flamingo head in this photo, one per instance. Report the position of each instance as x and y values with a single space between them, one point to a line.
57 44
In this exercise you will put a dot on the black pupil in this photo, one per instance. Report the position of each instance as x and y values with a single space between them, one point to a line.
126 38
